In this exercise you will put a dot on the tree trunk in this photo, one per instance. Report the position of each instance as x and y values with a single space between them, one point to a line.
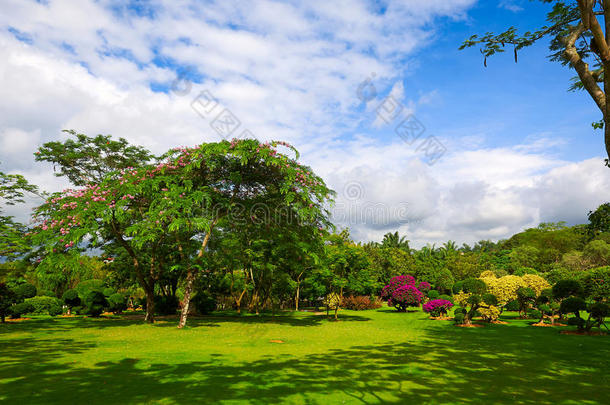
150 306
296 299
190 279
336 310
188 290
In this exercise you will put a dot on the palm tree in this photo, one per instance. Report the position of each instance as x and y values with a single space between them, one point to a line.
393 240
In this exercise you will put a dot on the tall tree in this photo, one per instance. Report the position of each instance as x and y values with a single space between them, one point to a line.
579 33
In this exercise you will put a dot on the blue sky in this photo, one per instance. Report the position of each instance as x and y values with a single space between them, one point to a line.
519 148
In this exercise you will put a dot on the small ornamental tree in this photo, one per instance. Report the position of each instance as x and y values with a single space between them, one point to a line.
546 306
71 299
332 301
95 302
437 307
472 297
525 297
396 282
406 296
117 303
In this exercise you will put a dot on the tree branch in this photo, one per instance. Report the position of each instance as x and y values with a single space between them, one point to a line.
586 77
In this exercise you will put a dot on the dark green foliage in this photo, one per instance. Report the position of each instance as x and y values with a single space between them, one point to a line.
474 286
7 298
95 302
512 306
568 287
166 305
18 310
597 283
489 299
71 298
599 220
45 305
85 287
117 303
572 305
599 311
433 294
108 291
446 297
25 290
457 287
204 303
525 297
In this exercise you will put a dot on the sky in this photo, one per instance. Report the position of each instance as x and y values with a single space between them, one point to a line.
414 135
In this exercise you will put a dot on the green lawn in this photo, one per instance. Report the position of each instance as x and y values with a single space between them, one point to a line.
367 357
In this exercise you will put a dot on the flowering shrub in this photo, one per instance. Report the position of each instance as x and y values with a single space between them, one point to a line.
424 286
406 296
359 303
437 307
395 283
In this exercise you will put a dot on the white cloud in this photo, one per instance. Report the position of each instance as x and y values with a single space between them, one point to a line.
288 71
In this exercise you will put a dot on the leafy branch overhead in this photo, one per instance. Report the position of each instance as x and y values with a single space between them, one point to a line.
577 32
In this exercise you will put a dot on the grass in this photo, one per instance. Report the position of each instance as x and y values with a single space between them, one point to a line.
367 357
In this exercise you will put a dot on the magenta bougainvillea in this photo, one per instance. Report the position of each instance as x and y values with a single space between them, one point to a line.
437 307
396 282
424 286
406 296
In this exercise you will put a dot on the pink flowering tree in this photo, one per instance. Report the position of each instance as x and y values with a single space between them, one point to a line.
179 202
403 292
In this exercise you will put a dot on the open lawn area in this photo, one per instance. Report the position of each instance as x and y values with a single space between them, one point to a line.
379 356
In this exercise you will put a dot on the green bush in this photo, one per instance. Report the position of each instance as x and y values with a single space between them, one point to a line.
166 305
117 303
568 287
20 309
433 294
446 297
85 287
45 305
95 302
597 283
108 291
204 303
71 298
572 305
7 298
25 290
512 305
457 287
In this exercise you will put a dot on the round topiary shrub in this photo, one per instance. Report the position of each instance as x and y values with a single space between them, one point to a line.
204 303
108 291
71 299
433 294
25 290
568 287
572 305
45 305
599 310
117 303
18 310
512 305
437 308
95 302
457 287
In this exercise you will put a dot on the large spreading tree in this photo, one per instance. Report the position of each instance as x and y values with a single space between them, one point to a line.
579 34
180 201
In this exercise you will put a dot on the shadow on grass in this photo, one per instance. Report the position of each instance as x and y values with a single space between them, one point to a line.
215 319
495 364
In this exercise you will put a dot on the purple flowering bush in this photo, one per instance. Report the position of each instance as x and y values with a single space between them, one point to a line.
424 286
406 296
395 283
437 307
